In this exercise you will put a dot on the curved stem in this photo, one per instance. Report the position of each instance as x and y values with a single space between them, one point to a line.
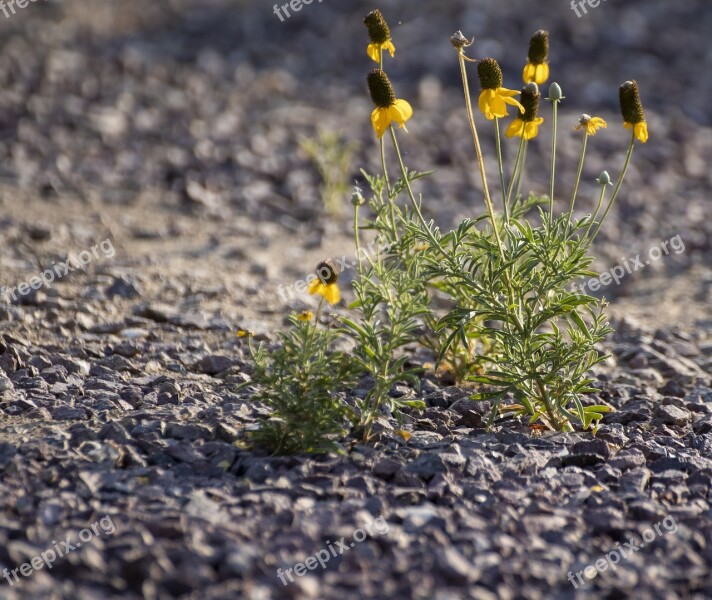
598 208
520 175
578 180
618 185
478 151
515 171
498 142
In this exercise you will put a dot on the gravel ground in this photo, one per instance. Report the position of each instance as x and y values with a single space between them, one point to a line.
166 136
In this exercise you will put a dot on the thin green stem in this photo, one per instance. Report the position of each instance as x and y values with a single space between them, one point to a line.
478 151
554 119
578 180
598 208
357 239
618 185
520 174
515 170
500 163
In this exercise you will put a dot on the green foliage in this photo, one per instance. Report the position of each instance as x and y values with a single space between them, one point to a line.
332 157
301 381
543 336
393 303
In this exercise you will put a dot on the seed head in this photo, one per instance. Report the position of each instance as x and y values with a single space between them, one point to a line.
380 88
539 47
327 272
490 74
631 106
378 29
530 101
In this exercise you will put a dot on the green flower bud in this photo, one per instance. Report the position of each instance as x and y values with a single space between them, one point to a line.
604 178
555 93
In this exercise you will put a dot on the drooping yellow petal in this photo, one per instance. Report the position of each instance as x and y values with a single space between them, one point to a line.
400 112
332 293
315 287
541 73
484 102
531 128
529 73
374 52
515 128
380 118
641 131
537 73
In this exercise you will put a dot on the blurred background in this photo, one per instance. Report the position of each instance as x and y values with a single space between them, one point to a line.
217 141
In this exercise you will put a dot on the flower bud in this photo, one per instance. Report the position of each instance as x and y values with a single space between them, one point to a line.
459 41
604 178
555 93
357 198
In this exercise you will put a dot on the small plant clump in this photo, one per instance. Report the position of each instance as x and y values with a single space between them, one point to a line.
512 326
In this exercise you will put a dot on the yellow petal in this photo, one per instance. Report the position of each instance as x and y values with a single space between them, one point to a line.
599 122
528 73
400 112
484 102
627 125
315 287
380 118
390 47
332 293
641 131
541 73
374 52
406 435
513 102
515 128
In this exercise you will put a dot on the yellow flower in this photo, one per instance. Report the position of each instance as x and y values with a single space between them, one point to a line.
374 50
632 110
591 124
493 103
537 67
330 291
493 97
325 284
536 73
388 109
527 126
243 333
380 36
639 129
305 316
526 129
